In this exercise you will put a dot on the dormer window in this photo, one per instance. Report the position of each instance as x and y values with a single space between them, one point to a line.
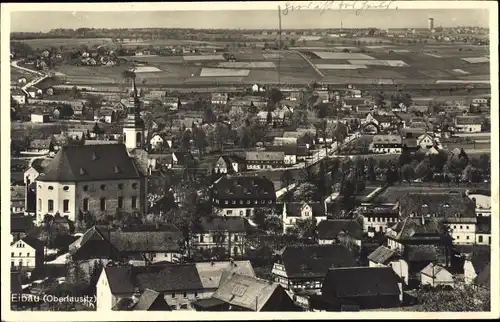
82 172
66 188
103 187
446 205
51 188
424 205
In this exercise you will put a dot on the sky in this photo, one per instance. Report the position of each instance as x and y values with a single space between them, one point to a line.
43 21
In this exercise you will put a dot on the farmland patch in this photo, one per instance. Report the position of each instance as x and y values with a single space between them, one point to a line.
273 56
203 57
155 59
306 38
460 71
433 55
332 55
390 63
147 69
476 60
222 72
461 81
339 66
257 64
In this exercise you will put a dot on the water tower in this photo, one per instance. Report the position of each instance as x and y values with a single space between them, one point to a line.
431 23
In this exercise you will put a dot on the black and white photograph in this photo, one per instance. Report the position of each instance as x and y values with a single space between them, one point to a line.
292 156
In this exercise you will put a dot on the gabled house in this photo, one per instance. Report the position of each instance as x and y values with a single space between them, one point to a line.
229 164
333 230
361 288
33 92
379 219
475 264
426 141
240 195
247 293
18 96
435 275
26 254
386 144
180 159
149 300
256 160
385 257
219 98
20 225
468 124
304 267
413 231
220 235
294 211
39 147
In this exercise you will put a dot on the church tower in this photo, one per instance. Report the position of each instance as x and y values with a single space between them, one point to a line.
134 133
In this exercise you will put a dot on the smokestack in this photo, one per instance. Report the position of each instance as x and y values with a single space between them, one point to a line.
431 23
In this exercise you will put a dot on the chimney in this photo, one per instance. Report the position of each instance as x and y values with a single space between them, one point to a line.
423 220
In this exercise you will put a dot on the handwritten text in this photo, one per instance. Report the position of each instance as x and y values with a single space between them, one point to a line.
323 6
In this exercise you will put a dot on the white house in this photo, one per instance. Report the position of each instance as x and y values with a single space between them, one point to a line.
156 141
435 275
39 118
294 211
171 103
26 254
385 257
33 92
475 264
463 230
18 96
386 144
468 124
425 141
219 98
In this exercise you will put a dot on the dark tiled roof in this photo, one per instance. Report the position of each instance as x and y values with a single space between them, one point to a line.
213 274
91 162
221 224
15 282
479 260
382 255
315 260
34 242
330 229
176 277
484 277
360 281
244 188
411 228
146 241
484 225
119 280
182 157
442 205
418 253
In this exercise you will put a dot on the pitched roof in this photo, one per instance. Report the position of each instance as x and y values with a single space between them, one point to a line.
484 277
360 281
21 223
432 270
90 162
479 260
466 120
146 241
148 299
413 228
212 274
248 187
119 280
387 139
314 260
264 156
331 228
382 255
221 224
177 277
293 209
246 291
443 205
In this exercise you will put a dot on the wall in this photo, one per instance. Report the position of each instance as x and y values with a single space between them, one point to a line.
463 233
177 300
469 272
58 193
237 241
380 223
483 239
105 300
22 252
470 128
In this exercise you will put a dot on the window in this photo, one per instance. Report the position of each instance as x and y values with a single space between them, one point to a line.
28 254
480 239
185 294
39 204
85 188
120 202
120 186
51 205
134 202
103 187
489 240
85 204
195 294
103 204
11 254
467 237
235 238
134 185
173 295
241 213
51 188
65 188
20 254
201 239
226 202
461 227
234 202
65 205
229 212
466 227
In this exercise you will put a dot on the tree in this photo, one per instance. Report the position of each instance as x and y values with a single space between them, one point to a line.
407 172
274 96
423 170
269 118
322 110
94 102
75 92
371 173
286 178
209 115
459 299
186 140
200 140
65 111
304 228
306 192
97 130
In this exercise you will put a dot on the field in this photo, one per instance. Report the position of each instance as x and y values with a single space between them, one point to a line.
66 42
378 64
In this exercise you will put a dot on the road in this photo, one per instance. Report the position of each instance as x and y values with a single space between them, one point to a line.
41 76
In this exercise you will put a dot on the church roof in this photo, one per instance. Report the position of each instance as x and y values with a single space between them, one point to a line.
90 162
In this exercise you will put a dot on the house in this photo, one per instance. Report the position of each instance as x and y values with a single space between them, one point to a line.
361 287
17 199
294 211
304 267
172 103
229 164
221 235
26 254
379 219
435 275
276 119
425 141
33 92
240 195
483 279
158 160
156 141
483 230
178 284
40 118
323 95
18 96
386 144
22 80
99 179
219 98
383 121
468 124
413 231
424 109
38 147
462 230
149 245
475 264
247 293
149 300
154 95
20 225
332 230
180 159
105 116
256 160
385 257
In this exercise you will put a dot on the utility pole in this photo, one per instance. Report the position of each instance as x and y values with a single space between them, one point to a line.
279 46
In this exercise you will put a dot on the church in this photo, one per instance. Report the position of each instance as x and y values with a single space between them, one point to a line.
100 179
